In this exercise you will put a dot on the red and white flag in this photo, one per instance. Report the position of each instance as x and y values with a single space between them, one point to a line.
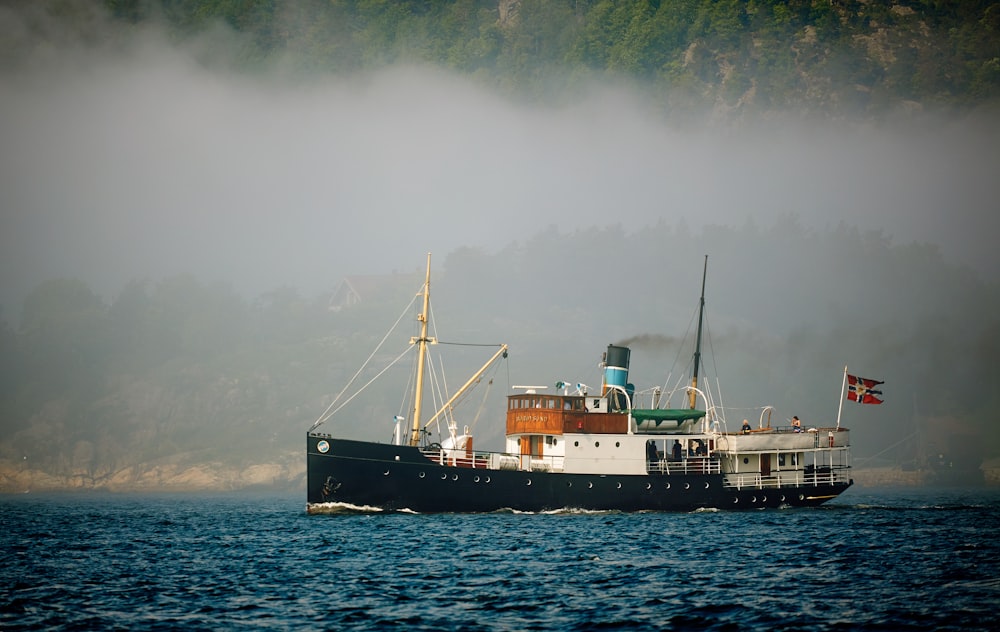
862 390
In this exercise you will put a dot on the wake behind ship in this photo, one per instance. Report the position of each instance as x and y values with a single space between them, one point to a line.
612 449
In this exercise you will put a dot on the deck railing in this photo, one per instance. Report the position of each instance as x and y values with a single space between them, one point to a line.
690 465
796 478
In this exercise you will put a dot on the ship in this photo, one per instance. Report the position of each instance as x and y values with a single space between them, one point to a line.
612 449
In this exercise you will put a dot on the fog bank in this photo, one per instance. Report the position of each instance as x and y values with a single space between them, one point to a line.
134 159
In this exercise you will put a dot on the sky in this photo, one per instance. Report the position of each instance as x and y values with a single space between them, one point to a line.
129 158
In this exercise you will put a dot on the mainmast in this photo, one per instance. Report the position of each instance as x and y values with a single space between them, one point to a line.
422 357
697 344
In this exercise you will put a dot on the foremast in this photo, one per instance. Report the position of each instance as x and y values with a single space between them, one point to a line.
421 343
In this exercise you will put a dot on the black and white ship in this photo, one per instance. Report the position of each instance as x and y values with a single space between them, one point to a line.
573 449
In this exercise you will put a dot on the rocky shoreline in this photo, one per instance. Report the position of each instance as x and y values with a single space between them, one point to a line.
288 474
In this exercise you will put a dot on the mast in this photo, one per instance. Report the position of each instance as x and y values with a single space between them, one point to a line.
421 357
697 344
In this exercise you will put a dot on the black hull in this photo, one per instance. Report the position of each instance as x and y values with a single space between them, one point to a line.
390 477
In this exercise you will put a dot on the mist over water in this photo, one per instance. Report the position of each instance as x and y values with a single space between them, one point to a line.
132 155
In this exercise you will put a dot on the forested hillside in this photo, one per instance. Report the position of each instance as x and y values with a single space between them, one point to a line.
694 57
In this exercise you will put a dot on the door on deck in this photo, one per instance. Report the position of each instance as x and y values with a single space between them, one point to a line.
531 447
765 465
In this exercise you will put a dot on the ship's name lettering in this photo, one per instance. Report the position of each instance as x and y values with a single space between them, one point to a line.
529 417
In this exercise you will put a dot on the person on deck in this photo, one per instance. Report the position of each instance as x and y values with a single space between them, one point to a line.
746 427
652 455
677 450
796 424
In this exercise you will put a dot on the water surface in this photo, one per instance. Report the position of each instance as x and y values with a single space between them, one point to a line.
870 560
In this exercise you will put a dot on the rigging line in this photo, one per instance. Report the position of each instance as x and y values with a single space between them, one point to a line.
680 347
507 366
406 402
438 381
367 384
715 366
903 440
489 378
469 344
323 417
744 409
486 393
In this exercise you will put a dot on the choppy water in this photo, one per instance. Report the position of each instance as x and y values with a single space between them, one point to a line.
882 560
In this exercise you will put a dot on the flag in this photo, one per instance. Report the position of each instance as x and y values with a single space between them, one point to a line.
862 390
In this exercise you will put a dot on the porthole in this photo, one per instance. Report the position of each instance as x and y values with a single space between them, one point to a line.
618 444
763 499
801 497
706 485
649 486
385 473
476 479
444 477
590 485
597 444
421 475
569 483
454 477
487 479
745 460
782 498
576 444
754 499
667 486
529 482
619 485
736 500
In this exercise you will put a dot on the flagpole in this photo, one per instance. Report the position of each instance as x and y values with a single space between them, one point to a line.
841 406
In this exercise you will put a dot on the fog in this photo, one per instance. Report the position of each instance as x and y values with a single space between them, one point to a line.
126 156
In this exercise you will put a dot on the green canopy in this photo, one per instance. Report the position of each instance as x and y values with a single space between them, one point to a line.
666 414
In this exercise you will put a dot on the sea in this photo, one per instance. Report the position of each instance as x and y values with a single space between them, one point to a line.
872 559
